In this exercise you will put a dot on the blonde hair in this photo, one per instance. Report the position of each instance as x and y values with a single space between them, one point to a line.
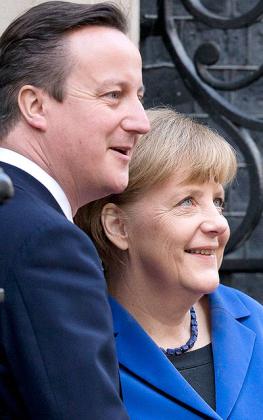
174 142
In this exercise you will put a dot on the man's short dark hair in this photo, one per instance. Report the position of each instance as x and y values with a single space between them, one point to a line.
33 50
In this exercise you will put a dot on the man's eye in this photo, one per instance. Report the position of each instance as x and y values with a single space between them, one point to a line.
219 203
114 94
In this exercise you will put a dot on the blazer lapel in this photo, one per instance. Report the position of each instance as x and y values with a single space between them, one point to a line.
140 355
231 364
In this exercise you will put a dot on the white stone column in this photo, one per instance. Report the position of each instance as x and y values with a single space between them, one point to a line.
9 9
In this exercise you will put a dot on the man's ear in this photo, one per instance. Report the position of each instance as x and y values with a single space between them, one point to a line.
113 222
31 103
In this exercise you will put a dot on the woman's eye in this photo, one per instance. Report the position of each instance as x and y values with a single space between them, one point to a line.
186 202
219 203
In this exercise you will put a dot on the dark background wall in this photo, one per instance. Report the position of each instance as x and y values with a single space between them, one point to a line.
240 56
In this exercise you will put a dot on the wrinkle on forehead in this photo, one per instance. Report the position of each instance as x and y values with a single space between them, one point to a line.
79 93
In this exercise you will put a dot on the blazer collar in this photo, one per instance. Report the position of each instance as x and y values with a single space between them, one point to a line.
233 345
140 355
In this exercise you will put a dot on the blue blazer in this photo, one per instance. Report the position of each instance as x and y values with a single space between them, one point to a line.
154 390
57 352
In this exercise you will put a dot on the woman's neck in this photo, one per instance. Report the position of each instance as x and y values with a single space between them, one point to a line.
164 314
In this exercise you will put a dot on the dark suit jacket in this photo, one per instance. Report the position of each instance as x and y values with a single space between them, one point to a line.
57 356
154 390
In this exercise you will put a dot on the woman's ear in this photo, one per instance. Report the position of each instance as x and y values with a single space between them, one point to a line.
113 222
31 103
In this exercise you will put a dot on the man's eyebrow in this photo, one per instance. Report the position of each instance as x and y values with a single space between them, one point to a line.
110 82
118 82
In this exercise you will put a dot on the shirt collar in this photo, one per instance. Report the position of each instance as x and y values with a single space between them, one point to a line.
21 162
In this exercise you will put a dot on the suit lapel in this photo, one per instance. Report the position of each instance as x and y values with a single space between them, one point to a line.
32 186
139 354
232 364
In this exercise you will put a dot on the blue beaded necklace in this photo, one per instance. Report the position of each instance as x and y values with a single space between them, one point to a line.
189 344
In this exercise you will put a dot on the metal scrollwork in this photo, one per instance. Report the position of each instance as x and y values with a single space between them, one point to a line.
204 94
202 85
201 13
208 54
253 160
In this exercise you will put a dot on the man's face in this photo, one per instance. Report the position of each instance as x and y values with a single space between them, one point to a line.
96 127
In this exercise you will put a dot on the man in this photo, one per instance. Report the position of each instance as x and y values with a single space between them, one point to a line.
71 113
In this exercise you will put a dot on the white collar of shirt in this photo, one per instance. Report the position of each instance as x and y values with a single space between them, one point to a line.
21 162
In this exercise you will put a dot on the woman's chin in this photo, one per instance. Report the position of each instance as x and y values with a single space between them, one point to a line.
204 286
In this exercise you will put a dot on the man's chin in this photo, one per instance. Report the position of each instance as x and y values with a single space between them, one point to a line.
120 185
116 188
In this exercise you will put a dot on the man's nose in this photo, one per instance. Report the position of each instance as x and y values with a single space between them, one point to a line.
136 119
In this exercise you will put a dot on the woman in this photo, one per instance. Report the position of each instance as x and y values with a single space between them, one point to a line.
187 347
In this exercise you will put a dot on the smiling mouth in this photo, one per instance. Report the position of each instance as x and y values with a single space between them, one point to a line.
201 251
123 151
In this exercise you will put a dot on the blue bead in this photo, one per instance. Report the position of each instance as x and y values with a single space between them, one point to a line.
189 344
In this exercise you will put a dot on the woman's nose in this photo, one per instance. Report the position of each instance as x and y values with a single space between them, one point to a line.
214 223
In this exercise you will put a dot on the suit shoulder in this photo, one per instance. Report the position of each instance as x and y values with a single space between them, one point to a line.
29 222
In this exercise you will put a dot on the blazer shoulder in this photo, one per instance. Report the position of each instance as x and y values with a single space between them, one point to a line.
230 292
243 307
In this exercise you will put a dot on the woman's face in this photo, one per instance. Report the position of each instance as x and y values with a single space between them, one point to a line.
177 235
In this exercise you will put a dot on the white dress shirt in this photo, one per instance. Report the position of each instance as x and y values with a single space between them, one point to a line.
21 162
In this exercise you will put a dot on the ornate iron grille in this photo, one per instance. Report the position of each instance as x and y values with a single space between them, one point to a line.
186 68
